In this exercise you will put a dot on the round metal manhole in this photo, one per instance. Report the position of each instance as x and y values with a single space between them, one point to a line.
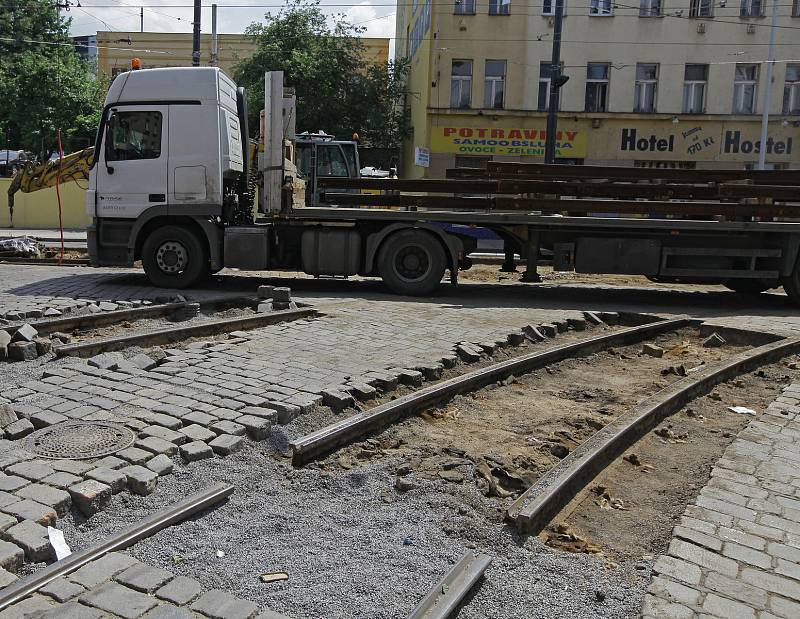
78 440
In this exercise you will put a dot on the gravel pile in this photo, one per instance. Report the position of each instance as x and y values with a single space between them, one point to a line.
354 547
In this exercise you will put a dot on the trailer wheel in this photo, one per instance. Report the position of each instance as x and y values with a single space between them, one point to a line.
174 257
412 262
749 286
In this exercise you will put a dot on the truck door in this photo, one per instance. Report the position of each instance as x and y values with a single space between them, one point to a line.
132 168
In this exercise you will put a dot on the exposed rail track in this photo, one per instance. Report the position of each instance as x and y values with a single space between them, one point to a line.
325 440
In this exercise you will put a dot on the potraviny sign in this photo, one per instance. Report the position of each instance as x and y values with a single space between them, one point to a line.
506 141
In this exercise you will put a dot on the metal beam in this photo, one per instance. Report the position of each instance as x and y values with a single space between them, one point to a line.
445 596
160 520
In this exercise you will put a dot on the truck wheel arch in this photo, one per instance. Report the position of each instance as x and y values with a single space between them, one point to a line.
451 244
204 228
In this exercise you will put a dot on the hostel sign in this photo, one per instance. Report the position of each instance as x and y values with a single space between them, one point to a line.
511 141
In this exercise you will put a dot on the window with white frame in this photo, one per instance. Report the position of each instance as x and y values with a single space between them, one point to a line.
597 86
796 8
549 7
701 8
464 7
649 8
601 7
644 97
745 86
791 90
461 84
499 7
494 84
545 80
695 80
751 8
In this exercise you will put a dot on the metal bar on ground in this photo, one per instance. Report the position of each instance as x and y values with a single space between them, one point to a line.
175 334
445 596
149 526
538 505
310 446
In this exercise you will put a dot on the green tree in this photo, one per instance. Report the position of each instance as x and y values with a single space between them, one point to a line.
44 84
337 91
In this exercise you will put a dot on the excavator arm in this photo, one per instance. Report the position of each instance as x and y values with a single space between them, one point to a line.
73 167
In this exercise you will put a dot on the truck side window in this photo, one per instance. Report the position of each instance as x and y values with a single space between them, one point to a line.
133 135
330 161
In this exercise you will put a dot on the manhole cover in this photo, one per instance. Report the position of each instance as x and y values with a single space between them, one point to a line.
77 440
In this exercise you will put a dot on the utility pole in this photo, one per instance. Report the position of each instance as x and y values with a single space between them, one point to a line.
556 82
196 35
213 35
141 19
762 151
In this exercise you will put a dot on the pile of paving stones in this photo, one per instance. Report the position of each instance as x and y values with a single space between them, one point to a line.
275 298
33 308
24 343
124 587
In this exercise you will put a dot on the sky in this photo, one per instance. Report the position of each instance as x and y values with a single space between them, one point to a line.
377 16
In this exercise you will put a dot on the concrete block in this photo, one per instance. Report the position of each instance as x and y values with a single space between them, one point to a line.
161 465
106 360
180 591
7 578
196 450
157 445
6 522
337 400
101 570
228 427
196 432
265 292
226 444
19 429
27 509
143 362
141 480
257 428
32 538
43 346
112 478
144 578
134 455
9 483
25 333
577 324
652 350
280 293
58 499
550 330
47 418
11 556
22 351
62 590
33 470
167 611
90 496
118 600
7 413
166 434
218 604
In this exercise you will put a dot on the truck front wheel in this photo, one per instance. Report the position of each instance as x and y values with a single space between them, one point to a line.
174 257
412 262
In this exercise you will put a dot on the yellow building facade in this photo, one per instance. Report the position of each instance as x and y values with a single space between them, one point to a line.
656 83
115 50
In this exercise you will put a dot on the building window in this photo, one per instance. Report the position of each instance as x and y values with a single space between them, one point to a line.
644 98
649 8
695 79
464 7
791 90
544 86
549 7
499 7
461 84
494 84
596 87
745 86
701 8
751 8
796 8
601 7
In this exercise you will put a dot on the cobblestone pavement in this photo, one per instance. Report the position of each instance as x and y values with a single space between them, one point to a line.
736 551
118 585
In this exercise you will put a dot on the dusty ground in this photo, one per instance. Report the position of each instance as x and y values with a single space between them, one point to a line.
490 273
512 433
629 510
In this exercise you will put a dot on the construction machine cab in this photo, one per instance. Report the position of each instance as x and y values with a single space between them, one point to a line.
319 155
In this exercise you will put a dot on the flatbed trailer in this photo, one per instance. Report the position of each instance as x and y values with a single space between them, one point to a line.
171 185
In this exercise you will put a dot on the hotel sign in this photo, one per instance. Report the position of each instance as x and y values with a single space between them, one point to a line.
506 141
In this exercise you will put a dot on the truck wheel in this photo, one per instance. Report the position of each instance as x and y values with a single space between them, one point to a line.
749 286
412 262
174 257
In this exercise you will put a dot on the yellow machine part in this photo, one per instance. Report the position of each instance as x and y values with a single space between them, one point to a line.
73 167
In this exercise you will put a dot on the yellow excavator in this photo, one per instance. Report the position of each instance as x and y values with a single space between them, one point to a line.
73 167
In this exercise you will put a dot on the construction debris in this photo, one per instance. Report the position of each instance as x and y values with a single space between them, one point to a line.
652 350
